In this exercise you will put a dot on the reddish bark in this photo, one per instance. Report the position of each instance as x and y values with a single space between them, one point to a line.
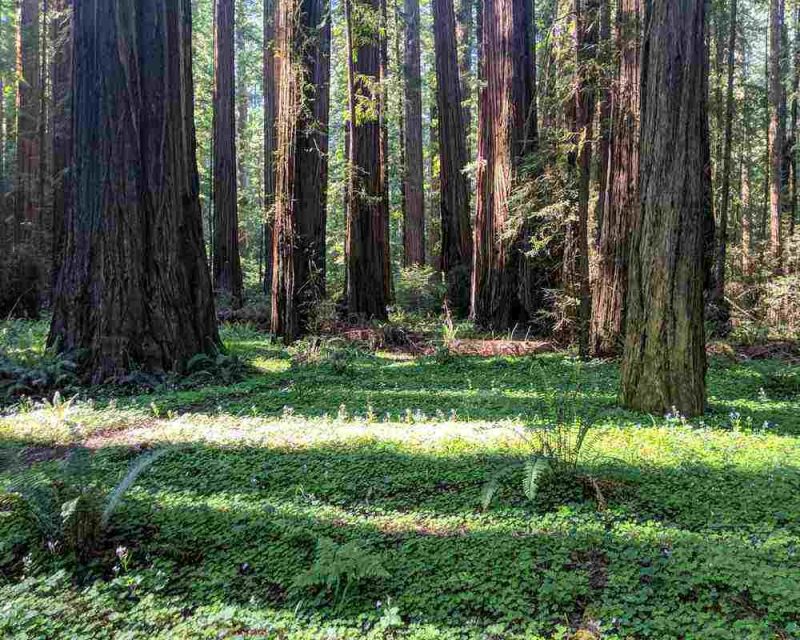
134 290
227 268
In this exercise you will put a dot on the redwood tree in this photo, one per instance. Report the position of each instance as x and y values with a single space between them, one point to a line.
505 101
454 184
227 267
61 122
269 89
29 103
303 55
134 288
414 197
719 306
664 362
366 238
776 130
622 208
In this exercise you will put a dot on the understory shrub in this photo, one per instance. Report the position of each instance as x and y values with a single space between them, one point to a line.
420 289
65 517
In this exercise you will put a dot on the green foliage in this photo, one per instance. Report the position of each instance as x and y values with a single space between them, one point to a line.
69 516
220 367
339 568
420 290
698 537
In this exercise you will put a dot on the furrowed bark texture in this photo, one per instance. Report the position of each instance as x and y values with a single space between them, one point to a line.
29 102
664 362
303 38
623 208
227 268
270 90
414 220
367 253
498 292
454 189
134 289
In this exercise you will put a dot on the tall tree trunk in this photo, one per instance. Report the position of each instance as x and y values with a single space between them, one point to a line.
61 124
270 98
454 185
776 132
464 38
242 97
388 282
664 362
226 263
505 103
604 120
134 290
29 101
721 318
303 55
414 220
365 235
586 16
795 173
623 209
747 222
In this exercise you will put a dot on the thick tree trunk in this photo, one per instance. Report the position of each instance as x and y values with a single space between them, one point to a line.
503 140
29 102
365 235
226 263
664 362
414 218
61 129
134 290
454 189
623 208
383 111
270 90
303 55
719 306
776 132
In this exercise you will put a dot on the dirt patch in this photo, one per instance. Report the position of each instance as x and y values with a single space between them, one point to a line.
490 348
785 351
34 455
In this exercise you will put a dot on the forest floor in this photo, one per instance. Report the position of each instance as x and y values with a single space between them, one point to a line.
337 493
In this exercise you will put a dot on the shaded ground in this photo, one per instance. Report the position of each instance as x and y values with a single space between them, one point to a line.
698 536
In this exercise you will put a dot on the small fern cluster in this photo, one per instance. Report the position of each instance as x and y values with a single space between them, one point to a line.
69 516
339 568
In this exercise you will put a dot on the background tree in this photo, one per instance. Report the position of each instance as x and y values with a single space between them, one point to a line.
366 211
776 130
303 52
622 209
454 200
664 362
227 267
503 141
268 87
414 196
134 288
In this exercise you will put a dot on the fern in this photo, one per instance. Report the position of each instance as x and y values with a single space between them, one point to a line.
534 470
337 568
140 465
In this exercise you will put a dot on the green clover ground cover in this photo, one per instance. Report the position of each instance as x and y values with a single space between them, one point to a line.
317 469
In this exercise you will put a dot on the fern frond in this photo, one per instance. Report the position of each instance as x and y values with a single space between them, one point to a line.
534 469
140 465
